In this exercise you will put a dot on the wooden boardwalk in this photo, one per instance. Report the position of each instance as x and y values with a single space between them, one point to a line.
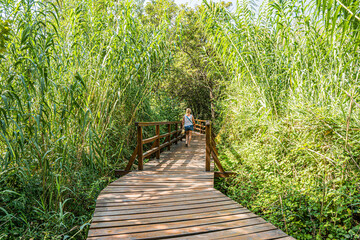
174 198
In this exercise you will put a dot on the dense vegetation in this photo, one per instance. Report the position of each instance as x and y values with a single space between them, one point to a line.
281 84
290 114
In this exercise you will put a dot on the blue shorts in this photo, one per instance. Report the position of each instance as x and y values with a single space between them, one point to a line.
189 128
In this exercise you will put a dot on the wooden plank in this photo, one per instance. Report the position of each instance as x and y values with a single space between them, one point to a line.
115 212
191 230
172 225
162 184
245 231
104 194
135 202
241 213
175 199
170 219
149 190
111 207
261 235
163 214
148 197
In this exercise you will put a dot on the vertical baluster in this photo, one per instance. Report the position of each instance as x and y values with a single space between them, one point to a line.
157 133
176 134
140 149
169 137
208 145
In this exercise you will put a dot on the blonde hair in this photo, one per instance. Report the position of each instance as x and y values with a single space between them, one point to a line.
188 110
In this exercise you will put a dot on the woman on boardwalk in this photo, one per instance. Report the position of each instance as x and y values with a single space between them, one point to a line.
188 123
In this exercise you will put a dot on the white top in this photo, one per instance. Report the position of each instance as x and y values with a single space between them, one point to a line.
188 120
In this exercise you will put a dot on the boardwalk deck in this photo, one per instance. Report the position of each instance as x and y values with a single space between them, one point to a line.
174 198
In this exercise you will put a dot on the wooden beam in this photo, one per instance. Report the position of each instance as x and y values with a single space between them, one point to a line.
217 161
224 174
120 173
208 146
140 148
143 124
157 132
132 159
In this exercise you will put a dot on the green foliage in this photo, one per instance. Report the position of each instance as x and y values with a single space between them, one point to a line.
283 84
4 34
74 79
290 119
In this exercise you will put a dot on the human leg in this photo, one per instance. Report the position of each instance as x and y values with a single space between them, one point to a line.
190 132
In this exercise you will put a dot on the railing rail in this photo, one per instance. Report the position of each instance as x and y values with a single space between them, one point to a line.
172 136
200 125
211 151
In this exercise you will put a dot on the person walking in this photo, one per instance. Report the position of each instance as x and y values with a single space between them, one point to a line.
188 123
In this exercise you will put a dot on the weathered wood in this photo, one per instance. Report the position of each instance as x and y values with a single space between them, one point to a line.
177 133
175 225
149 140
157 132
150 152
164 135
224 174
144 124
173 197
208 146
169 137
132 159
140 148
217 161
240 213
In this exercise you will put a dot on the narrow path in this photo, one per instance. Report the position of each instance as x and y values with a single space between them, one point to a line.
174 198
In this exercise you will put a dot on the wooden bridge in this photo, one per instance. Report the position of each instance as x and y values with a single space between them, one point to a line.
173 195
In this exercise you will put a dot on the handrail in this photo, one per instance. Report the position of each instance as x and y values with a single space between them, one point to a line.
143 124
171 137
211 151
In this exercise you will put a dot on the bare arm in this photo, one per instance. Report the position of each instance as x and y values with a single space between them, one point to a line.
183 121
193 119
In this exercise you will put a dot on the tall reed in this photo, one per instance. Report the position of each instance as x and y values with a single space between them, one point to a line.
74 78
290 113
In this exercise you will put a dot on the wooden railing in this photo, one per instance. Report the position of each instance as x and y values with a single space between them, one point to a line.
211 151
172 136
200 125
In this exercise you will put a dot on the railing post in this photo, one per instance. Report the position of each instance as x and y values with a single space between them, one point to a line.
140 149
176 134
157 133
169 137
208 145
